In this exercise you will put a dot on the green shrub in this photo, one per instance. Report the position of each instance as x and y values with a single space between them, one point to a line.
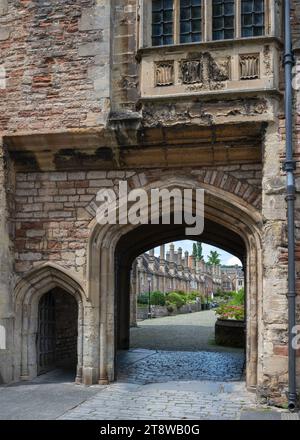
143 298
158 298
191 296
180 292
170 308
219 292
176 299
238 299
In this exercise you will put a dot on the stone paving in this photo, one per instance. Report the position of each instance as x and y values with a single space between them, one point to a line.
152 385
44 398
198 400
164 366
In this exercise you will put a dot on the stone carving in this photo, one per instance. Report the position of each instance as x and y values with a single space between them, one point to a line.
205 72
164 73
267 60
249 66
191 71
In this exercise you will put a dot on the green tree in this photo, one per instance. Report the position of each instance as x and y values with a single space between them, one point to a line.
200 256
195 250
214 258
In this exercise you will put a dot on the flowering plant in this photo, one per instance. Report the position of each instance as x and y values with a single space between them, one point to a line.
228 311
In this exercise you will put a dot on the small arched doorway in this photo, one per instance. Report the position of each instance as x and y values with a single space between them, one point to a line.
57 332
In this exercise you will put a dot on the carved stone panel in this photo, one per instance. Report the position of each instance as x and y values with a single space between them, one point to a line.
191 72
249 66
205 71
164 73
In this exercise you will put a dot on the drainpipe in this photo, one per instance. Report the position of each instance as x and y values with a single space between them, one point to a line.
289 167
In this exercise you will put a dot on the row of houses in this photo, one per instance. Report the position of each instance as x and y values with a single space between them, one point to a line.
175 270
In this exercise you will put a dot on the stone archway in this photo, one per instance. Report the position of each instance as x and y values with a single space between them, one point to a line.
28 294
226 210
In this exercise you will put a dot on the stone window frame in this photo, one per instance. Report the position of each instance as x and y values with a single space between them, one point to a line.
145 24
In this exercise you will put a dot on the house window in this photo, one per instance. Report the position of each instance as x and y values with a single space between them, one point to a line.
190 21
223 19
253 18
162 22
193 21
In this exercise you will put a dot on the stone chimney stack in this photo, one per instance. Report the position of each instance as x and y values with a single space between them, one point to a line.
172 265
172 249
193 264
151 259
198 266
162 262
186 259
179 260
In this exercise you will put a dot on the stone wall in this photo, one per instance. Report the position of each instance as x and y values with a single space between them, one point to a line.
296 38
57 61
6 268
161 311
54 209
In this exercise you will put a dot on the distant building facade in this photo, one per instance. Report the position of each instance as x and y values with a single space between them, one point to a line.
175 270
233 278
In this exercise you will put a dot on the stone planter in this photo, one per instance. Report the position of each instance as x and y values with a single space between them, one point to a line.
230 333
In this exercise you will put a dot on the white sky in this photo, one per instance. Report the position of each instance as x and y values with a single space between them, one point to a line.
187 245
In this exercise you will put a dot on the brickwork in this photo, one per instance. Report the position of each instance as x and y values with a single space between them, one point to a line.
54 210
56 63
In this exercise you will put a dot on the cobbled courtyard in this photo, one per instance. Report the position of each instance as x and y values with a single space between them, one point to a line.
172 382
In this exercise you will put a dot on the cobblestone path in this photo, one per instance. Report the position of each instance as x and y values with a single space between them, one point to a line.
146 366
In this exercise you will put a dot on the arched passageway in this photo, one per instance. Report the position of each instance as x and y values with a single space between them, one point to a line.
230 223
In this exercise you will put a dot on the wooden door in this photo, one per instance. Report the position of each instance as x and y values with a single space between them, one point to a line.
46 338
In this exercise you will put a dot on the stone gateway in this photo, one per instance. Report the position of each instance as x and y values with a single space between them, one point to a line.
94 92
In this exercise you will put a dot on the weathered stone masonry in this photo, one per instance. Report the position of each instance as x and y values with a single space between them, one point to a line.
80 111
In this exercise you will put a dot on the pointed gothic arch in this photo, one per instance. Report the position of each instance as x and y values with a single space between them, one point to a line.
230 211
28 292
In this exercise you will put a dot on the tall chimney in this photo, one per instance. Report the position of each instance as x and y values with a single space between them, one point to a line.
172 248
186 259
151 259
162 262
172 265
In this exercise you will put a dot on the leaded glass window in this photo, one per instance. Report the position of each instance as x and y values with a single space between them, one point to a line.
253 18
223 19
190 21
162 22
